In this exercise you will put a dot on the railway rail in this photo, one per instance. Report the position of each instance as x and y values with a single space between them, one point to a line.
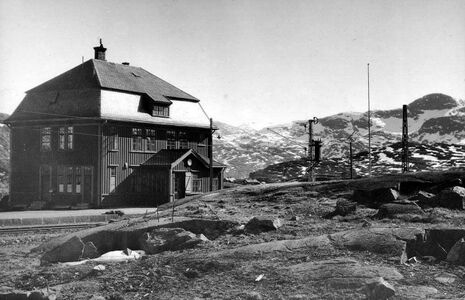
19 229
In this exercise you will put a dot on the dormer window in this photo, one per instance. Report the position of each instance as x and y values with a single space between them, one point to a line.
160 111
153 108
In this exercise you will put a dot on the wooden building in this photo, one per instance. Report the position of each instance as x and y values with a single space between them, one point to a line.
106 134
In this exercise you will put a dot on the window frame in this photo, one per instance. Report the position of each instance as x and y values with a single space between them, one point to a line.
150 140
112 178
65 138
183 140
171 142
161 111
113 138
137 136
46 139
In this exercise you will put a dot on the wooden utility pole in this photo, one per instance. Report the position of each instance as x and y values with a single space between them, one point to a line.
369 123
351 160
312 148
210 153
405 155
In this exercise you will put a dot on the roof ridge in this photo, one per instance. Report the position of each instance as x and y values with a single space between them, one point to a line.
96 72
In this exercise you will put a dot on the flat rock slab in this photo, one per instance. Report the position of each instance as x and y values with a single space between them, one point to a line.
340 273
313 242
415 292
389 210
391 241
122 235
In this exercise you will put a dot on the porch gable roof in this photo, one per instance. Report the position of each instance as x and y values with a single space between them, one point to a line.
172 157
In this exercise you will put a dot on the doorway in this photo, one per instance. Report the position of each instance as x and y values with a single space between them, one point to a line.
45 183
87 185
179 185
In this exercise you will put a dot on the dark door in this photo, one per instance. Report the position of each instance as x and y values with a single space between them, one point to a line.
45 184
179 185
87 185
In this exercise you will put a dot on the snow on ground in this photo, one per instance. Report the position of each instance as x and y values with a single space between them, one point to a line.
425 156
383 158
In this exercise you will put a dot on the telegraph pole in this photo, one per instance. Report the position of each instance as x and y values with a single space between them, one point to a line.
405 155
312 148
210 153
369 123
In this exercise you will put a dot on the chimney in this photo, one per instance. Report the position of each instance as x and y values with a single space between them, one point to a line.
100 51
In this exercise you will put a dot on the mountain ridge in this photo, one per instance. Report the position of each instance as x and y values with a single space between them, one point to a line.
432 118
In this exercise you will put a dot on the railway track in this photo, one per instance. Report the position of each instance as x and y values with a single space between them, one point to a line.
48 227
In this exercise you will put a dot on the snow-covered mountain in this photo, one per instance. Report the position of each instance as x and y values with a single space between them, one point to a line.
432 118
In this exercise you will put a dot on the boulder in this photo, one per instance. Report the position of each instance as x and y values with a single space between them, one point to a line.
438 241
373 198
253 296
262 224
168 239
37 295
446 278
456 254
453 198
379 289
71 250
345 207
389 210
425 199
90 251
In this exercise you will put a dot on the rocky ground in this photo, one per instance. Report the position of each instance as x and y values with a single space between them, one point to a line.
367 238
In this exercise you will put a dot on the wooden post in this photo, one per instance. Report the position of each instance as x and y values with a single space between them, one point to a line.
369 123
351 160
404 139
210 153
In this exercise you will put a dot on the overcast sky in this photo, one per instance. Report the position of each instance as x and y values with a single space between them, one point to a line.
248 61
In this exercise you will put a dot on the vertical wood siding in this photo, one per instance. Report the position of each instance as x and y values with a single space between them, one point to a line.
126 160
27 160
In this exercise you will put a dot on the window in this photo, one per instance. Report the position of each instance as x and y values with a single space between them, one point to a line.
113 138
61 138
170 139
78 180
61 179
65 138
70 137
161 111
69 179
151 140
46 139
137 139
183 140
112 179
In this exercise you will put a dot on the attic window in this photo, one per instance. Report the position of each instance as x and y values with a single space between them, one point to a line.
135 75
160 111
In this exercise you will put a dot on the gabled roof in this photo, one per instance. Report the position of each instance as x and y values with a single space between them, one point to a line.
172 157
96 73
